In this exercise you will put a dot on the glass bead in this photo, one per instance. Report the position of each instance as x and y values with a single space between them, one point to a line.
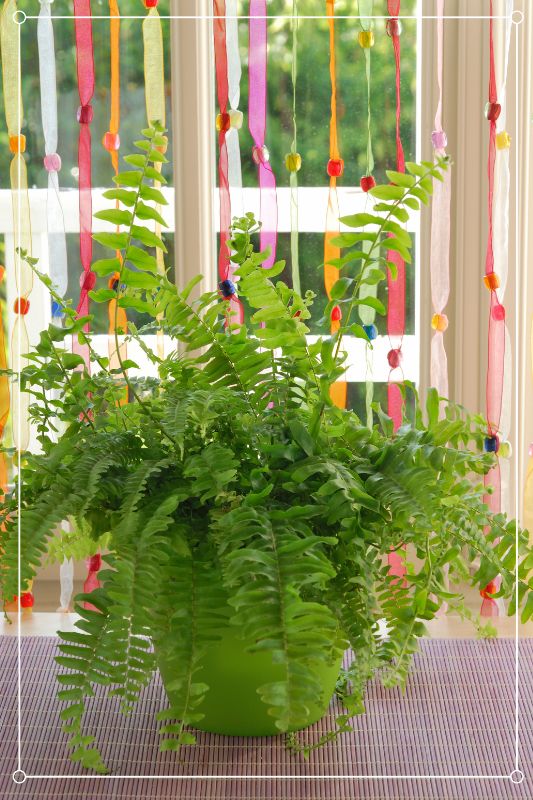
293 162
227 288
260 154
335 167
503 140
223 122
52 162
498 312
57 309
88 280
113 281
439 140
394 27
94 563
492 111
2 272
17 144
394 357
439 322
530 450
505 450
236 118
26 600
150 3
491 281
336 314
366 39
21 306
111 141
297 313
491 444
85 114
490 589
371 331
367 183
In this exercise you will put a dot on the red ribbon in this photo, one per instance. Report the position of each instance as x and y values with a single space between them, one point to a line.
85 68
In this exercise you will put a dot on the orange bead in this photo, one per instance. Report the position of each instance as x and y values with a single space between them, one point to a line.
17 144
21 306
223 122
491 281
2 272
439 322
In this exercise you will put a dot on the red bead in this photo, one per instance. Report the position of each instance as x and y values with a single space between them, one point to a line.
367 182
498 312
394 357
150 3
336 314
88 280
111 141
84 114
21 306
490 588
492 111
297 314
27 600
335 167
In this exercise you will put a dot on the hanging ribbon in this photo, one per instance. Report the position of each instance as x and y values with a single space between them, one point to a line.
57 245
154 90
10 44
85 69
223 125
498 377
440 235
118 319
257 109
293 160
528 484
396 287
236 116
335 169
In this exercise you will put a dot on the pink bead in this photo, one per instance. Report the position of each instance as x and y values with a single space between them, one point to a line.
52 162
394 357
439 140
88 280
393 27
498 312
84 114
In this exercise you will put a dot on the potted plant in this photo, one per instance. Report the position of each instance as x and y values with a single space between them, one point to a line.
246 518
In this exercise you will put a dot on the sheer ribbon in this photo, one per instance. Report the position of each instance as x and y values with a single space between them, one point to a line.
234 97
396 288
257 110
154 89
85 69
440 235
496 268
118 319
10 46
57 246
339 389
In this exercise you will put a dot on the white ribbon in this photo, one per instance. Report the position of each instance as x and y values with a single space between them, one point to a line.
234 94
57 247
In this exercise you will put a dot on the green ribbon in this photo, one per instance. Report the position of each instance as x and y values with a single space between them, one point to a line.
295 266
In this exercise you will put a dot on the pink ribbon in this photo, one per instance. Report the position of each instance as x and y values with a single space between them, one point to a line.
85 68
257 94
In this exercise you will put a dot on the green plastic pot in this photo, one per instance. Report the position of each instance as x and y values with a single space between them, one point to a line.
232 706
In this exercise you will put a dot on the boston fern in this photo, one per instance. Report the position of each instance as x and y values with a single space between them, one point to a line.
230 490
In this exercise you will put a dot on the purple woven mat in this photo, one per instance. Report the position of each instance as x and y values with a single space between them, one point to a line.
458 691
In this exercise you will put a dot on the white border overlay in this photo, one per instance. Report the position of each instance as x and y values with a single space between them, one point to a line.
516 775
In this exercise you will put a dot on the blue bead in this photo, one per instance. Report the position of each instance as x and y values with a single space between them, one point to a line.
491 444
57 310
227 288
371 331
